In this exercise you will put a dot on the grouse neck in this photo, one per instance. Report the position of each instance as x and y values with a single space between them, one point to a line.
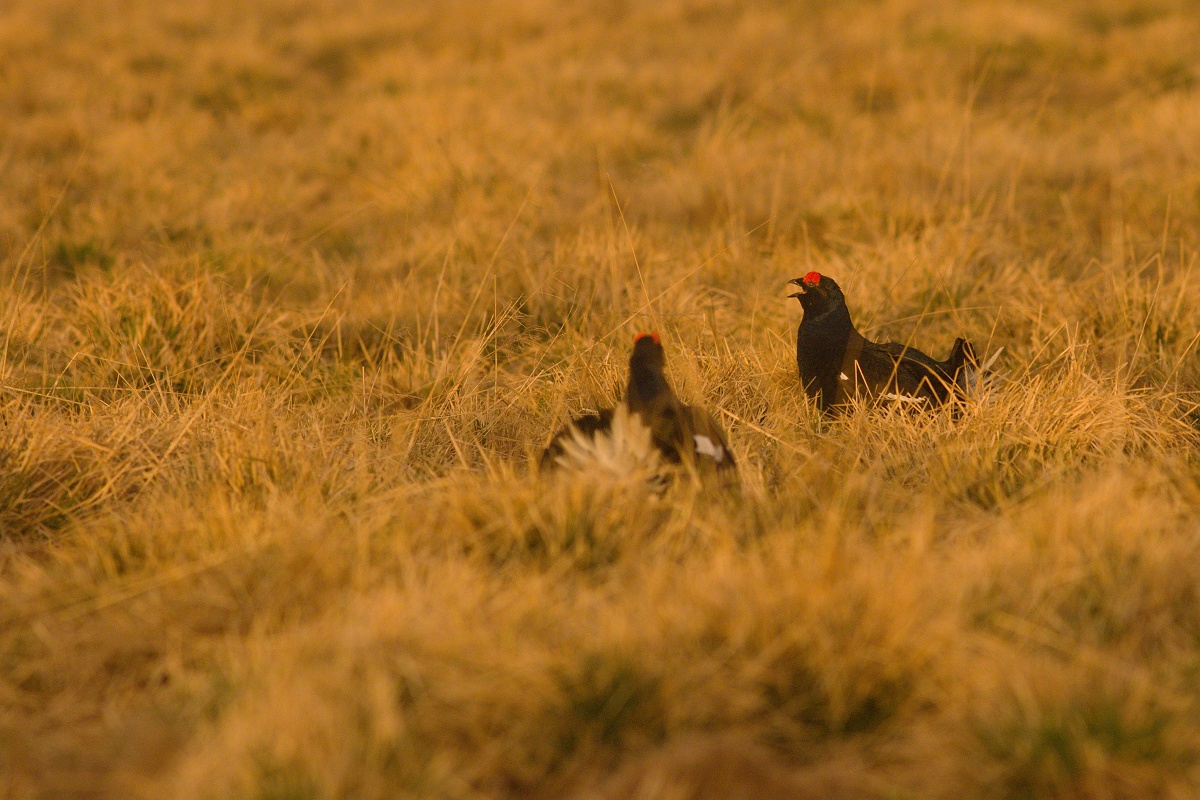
646 384
835 317
832 328
821 344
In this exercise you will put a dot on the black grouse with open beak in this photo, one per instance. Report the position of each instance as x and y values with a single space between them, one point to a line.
837 363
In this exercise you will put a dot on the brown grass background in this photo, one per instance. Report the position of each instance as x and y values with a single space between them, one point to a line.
295 289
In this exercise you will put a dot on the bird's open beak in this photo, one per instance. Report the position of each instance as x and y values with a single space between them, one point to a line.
798 282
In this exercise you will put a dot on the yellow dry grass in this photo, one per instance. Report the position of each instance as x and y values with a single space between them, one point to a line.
295 290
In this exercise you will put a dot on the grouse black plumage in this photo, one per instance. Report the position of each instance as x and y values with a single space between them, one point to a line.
651 425
837 363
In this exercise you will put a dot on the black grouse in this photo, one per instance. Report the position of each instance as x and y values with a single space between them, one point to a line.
837 363
649 428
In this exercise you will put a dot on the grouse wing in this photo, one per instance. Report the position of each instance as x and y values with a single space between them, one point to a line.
709 443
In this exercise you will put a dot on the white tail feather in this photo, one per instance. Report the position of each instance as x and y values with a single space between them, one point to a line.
976 379
626 447
903 398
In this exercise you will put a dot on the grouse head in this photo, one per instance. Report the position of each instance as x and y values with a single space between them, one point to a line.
647 352
647 381
817 294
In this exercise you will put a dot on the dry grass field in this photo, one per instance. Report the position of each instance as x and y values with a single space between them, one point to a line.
294 291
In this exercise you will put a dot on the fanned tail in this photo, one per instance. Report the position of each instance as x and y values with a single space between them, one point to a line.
613 444
970 375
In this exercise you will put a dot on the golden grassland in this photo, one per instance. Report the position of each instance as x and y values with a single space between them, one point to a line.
295 290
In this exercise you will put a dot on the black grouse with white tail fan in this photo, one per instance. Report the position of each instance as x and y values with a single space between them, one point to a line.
649 429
